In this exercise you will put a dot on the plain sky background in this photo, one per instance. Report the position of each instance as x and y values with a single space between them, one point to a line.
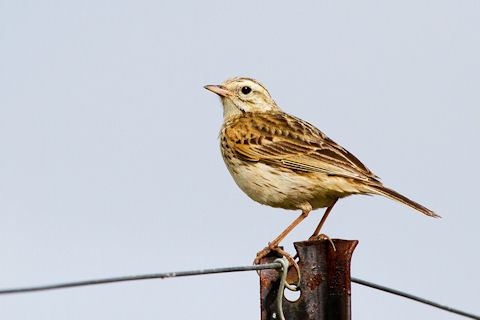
110 162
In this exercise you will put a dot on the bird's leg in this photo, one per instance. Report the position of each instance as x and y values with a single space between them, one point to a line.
273 246
316 234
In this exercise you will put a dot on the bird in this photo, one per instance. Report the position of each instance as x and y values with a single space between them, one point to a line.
282 161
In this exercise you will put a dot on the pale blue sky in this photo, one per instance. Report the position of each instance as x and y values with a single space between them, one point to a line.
110 162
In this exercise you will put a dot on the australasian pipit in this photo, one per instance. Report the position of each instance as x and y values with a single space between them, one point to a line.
284 162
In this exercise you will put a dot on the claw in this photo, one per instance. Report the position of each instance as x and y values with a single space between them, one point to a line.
323 237
261 254
265 251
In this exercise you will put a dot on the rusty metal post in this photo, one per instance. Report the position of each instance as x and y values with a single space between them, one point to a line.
324 285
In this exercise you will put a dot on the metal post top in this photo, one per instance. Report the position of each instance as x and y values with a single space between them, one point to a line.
324 282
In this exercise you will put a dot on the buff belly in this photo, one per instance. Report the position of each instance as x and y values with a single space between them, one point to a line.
289 190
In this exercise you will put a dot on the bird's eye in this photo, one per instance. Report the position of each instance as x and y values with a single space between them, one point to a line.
246 90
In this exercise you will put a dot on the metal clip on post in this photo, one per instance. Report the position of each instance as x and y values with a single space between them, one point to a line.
281 288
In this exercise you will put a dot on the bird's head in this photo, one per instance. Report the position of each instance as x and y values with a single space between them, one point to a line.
241 95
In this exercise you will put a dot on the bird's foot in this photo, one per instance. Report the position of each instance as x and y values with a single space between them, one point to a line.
265 251
273 248
322 236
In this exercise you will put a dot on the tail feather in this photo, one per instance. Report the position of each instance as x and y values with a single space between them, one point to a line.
392 194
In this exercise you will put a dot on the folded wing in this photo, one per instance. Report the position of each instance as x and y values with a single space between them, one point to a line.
293 144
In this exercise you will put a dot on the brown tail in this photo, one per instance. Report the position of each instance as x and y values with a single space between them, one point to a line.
389 193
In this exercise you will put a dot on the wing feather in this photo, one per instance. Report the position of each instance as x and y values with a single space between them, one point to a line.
291 143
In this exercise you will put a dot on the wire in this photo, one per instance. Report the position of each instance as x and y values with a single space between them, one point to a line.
165 275
275 265
415 298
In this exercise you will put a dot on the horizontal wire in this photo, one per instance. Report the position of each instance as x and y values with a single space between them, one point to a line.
415 298
223 270
165 275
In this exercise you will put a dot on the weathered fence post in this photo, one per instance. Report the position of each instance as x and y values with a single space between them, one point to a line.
324 285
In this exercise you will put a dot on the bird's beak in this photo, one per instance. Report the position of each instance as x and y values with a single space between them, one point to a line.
221 91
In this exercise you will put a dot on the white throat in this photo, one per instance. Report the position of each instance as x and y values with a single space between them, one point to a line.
229 108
